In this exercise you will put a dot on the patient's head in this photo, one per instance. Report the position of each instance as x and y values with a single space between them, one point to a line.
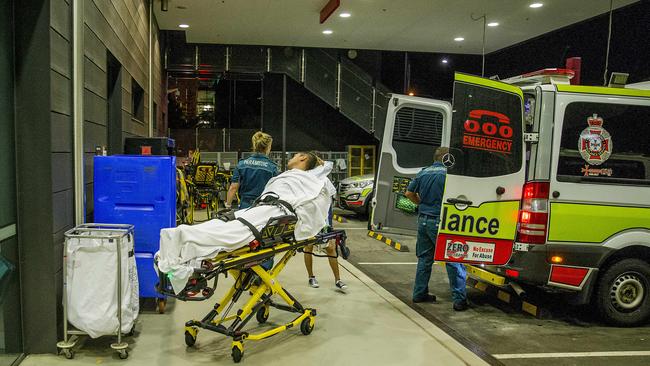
304 161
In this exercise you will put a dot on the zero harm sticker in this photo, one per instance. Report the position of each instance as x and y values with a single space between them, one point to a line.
462 250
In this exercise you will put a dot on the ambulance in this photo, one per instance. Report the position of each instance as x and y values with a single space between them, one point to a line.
548 184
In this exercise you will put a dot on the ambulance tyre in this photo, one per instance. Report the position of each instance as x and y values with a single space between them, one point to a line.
623 293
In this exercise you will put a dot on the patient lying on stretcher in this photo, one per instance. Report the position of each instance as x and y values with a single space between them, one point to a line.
304 186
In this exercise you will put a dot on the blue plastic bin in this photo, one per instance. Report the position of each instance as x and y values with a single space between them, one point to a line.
137 190
147 277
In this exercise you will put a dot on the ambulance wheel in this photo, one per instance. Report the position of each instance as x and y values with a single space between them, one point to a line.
262 314
190 339
237 354
623 292
68 353
306 327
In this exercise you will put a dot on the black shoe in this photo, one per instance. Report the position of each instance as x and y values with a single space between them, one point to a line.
461 305
427 298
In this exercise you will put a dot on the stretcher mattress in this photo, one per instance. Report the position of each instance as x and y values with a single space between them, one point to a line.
183 248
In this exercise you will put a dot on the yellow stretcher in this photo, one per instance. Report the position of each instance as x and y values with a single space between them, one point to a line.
244 265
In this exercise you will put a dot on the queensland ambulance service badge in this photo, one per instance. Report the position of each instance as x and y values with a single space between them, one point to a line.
595 143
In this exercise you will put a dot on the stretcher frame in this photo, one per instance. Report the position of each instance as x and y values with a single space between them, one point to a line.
245 266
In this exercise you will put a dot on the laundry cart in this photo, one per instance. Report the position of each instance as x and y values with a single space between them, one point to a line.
100 285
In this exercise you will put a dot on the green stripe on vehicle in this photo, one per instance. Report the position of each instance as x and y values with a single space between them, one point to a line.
488 83
602 90
584 223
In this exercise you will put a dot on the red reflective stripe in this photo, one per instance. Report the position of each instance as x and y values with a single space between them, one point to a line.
568 275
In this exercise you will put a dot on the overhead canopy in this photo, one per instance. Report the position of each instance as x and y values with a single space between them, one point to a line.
413 25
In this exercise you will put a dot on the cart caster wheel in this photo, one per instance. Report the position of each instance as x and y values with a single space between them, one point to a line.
306 327
68 353
161 303
124 354
237 354
262 314
190 339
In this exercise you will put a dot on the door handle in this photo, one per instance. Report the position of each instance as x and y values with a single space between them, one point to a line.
501 190
456 201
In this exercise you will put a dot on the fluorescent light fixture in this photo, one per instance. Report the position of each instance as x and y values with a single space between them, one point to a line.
345 15
536 5
183 26
444 61
459 39
328 31
493 24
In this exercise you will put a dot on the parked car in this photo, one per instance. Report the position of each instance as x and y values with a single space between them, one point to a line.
355 193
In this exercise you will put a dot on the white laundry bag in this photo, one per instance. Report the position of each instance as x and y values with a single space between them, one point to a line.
91 284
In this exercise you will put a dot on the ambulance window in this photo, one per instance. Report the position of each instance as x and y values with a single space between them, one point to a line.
486 132
605 143
417 133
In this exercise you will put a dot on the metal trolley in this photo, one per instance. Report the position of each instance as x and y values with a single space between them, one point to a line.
118 232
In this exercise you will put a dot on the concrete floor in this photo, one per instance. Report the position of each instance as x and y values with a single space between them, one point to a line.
375 323
495 331
365 326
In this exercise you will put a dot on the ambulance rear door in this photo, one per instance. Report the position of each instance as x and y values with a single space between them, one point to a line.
485 173
415 128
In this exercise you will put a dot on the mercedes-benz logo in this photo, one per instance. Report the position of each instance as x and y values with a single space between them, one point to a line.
448 160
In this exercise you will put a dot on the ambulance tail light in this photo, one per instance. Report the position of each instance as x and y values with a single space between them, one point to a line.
533 215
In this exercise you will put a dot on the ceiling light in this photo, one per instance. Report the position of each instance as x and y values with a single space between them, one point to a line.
459 39
444 61
183 26
536 5
345 15
493 24
327 31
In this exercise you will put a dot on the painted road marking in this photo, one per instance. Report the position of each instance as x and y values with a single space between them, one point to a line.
510 356
390 242
387 263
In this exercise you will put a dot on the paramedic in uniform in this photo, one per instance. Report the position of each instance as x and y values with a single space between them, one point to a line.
251 175
426 190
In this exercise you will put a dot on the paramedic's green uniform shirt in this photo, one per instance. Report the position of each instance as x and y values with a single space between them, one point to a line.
252 174
429 184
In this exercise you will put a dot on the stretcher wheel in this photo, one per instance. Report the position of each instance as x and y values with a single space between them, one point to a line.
190 340
68 353
237 354
262 314
124 354
161 303
306 327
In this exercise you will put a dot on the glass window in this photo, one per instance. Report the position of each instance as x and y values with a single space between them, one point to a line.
417 133
605 143
486 135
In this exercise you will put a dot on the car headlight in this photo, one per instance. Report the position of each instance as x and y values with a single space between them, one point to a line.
362 184
353 197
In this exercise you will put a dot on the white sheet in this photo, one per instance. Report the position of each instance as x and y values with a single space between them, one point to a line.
309 192
91 280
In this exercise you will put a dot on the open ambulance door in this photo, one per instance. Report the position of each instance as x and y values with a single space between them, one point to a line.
414 128
485 173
